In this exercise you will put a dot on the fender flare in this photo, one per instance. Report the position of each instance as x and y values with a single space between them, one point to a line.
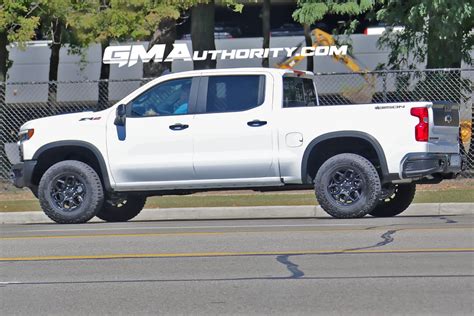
77 143
353 134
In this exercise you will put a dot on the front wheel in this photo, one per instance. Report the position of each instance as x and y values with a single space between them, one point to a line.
398 200
122 210
70 192
347 186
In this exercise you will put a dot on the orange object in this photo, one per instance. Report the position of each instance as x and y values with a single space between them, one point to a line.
466 131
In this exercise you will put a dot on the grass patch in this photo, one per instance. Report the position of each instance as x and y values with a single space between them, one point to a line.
267 199
449 196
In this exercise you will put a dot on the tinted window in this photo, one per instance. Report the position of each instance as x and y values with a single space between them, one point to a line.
167 98
234 93
298 92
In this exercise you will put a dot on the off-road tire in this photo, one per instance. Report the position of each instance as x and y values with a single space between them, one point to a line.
93 192
397 203
123 211
368 183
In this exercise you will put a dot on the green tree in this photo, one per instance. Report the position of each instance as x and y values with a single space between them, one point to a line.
104 21
164 34
266 29
311 11
308 42
202 27
18 23
438 33
202 32
53 21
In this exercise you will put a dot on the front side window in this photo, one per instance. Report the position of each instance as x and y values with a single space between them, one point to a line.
167 98
234 93
298 92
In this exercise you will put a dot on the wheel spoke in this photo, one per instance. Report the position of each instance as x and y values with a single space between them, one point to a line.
345 197
354 195
73 202
338 177
59 184
80 199
345 186
334 188
349 174
68 192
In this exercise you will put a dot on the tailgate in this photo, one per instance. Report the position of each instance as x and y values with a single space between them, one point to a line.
444 133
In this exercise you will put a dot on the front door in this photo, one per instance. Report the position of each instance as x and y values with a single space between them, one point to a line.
154 149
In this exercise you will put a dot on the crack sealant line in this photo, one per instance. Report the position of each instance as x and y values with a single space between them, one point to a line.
292 267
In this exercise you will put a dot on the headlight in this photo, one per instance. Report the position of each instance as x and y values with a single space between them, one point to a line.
26 134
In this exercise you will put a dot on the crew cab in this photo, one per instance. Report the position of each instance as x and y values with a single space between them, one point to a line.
256 128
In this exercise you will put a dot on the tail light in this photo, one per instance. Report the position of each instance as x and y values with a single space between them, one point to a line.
422 128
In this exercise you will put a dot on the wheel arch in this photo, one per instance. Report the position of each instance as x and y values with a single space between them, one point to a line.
54 152
334 143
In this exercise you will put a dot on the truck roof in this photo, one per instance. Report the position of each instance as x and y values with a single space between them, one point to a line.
279 72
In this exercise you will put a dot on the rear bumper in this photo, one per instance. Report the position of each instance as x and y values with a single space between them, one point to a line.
419 165
22 173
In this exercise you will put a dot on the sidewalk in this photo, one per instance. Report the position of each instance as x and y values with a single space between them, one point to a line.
421 209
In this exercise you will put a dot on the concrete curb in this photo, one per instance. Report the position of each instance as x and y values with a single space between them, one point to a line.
305 211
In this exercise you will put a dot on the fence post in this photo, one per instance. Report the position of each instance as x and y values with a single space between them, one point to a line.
53 97
4 171
3 88
103 99
384 78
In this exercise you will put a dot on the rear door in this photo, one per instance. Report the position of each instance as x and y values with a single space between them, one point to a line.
234 140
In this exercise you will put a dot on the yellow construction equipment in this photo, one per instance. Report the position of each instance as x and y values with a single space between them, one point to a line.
362 94
466 131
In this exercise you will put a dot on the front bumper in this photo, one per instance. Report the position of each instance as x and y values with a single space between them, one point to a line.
22 173
419 165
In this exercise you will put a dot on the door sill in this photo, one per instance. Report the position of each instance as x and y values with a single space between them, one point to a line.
199 184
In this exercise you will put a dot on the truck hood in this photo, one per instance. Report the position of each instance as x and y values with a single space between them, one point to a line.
65 120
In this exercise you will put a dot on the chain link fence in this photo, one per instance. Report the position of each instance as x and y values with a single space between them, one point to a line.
21 102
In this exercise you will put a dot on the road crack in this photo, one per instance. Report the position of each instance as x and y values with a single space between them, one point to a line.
292 267
448 220
387 239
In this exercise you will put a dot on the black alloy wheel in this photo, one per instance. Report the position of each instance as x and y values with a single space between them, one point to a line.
68 191
346 186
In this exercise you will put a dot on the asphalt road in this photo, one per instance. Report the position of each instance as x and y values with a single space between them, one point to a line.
401 265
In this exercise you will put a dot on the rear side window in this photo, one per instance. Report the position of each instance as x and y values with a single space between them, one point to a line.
298 92
234 93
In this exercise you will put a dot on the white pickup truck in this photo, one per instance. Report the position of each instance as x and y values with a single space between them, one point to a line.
254 128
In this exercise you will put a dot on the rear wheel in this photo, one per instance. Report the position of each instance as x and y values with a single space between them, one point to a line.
122 210
347 186
398 199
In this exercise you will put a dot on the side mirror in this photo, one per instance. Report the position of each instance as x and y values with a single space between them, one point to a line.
120 115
